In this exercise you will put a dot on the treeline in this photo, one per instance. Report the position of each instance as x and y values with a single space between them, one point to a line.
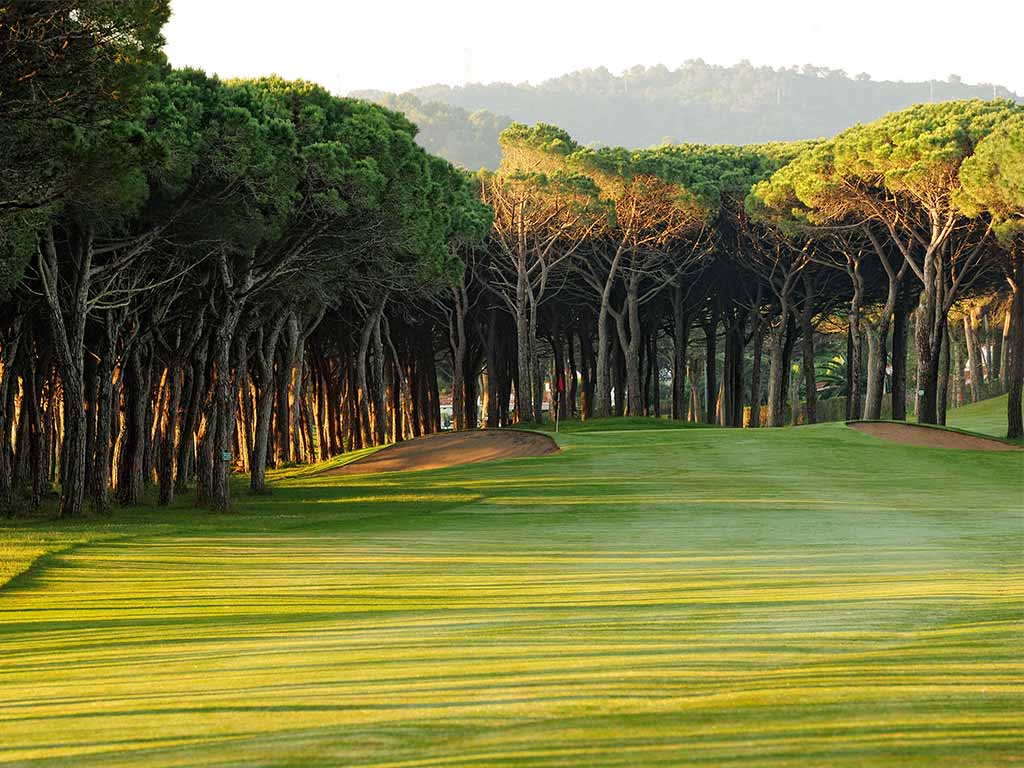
201 276
645 106
599 256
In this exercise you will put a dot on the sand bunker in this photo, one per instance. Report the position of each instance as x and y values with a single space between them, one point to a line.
449 450
910 434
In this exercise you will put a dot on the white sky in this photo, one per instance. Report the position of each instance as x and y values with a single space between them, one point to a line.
394 46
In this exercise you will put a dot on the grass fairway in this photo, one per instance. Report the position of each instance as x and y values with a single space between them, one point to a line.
987 417
697 597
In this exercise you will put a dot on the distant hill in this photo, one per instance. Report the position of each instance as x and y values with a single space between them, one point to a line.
645 106
466 138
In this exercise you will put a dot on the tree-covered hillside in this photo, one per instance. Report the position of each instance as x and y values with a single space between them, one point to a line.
644 106
464 137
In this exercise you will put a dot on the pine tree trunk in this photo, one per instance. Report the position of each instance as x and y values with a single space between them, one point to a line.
696 415
8 381
524 381
755 372
776 375
810 379
619 378
928 333
973 356
710 366
457 339
1005 348
137 387
261 439
362 379
901 316
876 370
942 394
224 405
168 431
1015 361
654 368
377 384
185 464
572 374
67 328
38 437
853 395
794 395
100 489
588 374
680 341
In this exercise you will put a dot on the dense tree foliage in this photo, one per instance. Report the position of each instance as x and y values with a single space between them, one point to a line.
71 74
183 262
897 182
992 186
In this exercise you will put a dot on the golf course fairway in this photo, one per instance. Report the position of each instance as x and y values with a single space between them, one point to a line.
693 597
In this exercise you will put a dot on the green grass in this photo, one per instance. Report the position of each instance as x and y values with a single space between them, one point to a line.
705 597
630 423
987 417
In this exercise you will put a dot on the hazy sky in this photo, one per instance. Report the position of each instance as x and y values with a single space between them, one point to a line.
396 46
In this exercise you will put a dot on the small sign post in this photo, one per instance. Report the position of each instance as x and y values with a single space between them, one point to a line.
226 456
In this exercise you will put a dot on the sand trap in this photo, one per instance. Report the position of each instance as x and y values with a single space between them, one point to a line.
450 449
910 434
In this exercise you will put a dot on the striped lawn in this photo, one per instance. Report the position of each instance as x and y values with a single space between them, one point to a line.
807 597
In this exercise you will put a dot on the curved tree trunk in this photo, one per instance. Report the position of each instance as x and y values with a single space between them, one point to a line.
67 327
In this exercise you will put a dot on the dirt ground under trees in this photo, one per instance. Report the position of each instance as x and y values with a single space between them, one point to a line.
451 449
910 434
